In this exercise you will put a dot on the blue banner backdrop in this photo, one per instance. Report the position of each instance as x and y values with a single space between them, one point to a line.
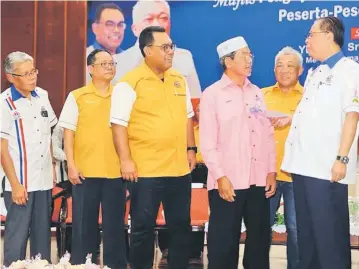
267 26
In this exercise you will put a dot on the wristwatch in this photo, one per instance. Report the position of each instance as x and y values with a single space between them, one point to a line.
343 159
192 148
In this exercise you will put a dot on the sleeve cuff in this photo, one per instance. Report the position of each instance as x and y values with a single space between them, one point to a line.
190 114
218 174
67 125
352 108
4 135
119 121
53 122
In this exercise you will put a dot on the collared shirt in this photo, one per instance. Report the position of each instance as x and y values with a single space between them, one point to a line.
315 135
285 103
87 113
182 62
156 114
26 124
236 137
196 138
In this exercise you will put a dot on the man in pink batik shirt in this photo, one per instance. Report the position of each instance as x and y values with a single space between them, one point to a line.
237 144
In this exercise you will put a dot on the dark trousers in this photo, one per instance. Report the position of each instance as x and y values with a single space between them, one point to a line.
323 223
199 175
32 219
86 203
286 189
146 196
225 230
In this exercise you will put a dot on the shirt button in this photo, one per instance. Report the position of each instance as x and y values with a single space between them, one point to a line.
246 104
249 117
254 146
42 155
34 117
252 131
37 129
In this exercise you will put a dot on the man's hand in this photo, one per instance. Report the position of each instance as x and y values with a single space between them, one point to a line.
271 185
191 157
129 170
19 194
74 175
225 189
54 174
281 122
339 170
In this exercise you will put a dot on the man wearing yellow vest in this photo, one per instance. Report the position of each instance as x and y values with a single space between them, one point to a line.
151 117
283 97
94 167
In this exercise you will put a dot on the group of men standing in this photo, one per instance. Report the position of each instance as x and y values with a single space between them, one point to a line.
141 132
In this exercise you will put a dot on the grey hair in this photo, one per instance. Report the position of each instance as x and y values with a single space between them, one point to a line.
223 58
15 58
136 11
289 51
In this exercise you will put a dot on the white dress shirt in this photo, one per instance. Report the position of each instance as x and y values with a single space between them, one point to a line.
182 63
314 138
26 124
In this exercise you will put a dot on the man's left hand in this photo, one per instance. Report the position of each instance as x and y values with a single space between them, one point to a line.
281 122
54 172
191 156
339 170
271 185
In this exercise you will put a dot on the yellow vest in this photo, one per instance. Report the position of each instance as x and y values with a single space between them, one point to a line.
157 129
286 103
94 150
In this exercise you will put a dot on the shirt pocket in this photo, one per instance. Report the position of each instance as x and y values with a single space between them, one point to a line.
229 110
45 125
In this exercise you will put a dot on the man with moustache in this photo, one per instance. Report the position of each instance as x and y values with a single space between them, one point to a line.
151 117
237 145
109 28
26 157
156 13
320 152
284 97
94 167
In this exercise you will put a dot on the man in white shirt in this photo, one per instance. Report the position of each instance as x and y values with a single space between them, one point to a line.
320 153
156 13
26 157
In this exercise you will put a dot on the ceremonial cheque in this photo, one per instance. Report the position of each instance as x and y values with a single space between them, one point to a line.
154 134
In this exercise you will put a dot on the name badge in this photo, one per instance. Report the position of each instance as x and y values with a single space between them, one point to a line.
44 112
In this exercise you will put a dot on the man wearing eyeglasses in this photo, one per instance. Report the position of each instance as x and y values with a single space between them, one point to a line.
321 150
109 28
26 157
94 167
151 117
237 145
284 97
156 13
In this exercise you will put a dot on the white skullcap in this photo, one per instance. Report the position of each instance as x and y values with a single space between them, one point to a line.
231 45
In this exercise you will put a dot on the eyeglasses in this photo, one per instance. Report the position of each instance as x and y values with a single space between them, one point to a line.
166 47
111 25
27 75
107 64
310 35
246 57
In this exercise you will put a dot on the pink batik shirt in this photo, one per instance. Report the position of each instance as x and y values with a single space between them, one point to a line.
236 137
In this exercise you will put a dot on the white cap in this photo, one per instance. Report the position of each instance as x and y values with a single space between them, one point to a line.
231 45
